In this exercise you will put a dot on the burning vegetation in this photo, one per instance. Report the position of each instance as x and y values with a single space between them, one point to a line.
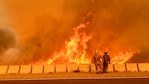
69 31
75 50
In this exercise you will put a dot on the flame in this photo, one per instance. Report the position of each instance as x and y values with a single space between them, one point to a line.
123 56
75 50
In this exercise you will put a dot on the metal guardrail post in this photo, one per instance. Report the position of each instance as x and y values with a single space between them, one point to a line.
31 69
19 69
55 68
89 67
66 68
138 67
7 69
42 69
114 68
126 67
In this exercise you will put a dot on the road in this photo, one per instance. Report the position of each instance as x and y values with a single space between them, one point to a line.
77 78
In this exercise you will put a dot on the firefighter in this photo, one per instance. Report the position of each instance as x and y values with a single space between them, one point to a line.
97 60
106 61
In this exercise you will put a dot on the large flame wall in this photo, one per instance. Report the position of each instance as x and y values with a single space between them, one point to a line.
43 27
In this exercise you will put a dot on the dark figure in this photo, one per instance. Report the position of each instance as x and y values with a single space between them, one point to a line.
106 61
97 60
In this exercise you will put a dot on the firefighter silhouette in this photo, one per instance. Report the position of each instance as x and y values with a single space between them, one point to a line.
98 61
106 61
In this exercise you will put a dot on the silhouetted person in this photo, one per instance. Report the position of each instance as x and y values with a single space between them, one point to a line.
97 60
106 61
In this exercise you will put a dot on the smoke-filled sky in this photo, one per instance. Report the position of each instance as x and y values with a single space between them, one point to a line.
41 27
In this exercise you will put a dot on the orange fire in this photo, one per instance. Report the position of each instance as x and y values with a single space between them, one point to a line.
75 50
123 56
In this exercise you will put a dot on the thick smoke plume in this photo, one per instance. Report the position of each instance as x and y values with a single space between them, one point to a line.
42 26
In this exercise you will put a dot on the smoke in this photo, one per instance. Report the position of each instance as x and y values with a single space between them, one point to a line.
11 56
122 19
8 39
43 26
8 46
121 24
